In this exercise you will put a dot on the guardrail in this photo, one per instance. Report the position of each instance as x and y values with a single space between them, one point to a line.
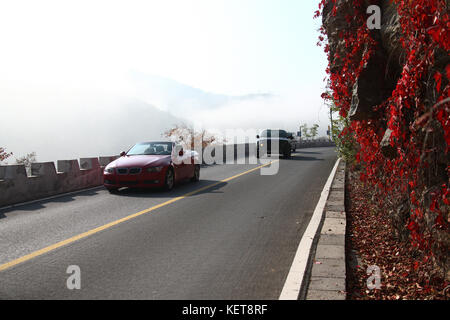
248 150
315 144
45 181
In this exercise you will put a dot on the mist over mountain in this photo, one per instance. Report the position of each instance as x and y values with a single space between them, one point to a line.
183 99
87 126
221 112
74 122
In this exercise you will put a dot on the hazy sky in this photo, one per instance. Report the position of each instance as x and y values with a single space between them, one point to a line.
233 47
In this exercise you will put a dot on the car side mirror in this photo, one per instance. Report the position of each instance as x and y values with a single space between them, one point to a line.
257 137
123 153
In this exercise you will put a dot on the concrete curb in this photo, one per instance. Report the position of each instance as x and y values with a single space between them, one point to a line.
328 275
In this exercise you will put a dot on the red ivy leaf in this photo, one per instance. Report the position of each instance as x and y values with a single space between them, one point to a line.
438 79
435 33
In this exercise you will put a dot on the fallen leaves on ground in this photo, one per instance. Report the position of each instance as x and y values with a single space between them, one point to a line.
370 234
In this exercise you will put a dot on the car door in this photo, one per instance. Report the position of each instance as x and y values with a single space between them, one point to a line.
185 163
189 163
178 164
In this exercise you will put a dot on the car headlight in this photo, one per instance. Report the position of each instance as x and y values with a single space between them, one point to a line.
154 169
109 170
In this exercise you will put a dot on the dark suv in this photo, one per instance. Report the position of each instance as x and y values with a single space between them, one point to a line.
265 141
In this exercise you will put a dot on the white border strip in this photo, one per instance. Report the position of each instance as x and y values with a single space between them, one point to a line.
294 280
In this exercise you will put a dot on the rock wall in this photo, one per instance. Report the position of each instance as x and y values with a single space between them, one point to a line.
375 84
379 75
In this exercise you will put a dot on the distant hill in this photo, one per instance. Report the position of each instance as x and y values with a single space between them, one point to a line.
85 127
179 98
71 124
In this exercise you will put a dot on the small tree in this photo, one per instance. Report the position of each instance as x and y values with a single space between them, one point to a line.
27 161
3 154
346 145
189 138
314 131
305 132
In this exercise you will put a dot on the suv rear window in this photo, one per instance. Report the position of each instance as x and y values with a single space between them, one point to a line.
274 133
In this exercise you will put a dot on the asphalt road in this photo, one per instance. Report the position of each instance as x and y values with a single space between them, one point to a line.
236 240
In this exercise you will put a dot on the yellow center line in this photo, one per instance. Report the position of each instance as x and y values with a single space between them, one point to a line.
60 244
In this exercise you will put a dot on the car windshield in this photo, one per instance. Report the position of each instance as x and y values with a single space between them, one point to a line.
274 133
151 148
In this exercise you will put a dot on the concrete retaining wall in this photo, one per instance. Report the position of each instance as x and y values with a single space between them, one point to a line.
46 181
229 153
315 144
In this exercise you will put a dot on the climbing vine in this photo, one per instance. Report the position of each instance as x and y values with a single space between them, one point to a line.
417 113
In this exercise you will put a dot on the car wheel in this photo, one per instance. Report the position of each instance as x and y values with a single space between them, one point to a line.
112 190
287 154
196 176
169 180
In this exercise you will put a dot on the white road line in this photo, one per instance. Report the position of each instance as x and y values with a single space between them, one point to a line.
294 280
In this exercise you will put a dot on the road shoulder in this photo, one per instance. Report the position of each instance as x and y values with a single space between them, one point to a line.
328 271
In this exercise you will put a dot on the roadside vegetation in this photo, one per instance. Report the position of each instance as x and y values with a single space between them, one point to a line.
189 138
309 133
346 145
27 161
373 240
4 155
391 89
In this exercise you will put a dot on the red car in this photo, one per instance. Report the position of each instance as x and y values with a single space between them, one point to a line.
151 164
